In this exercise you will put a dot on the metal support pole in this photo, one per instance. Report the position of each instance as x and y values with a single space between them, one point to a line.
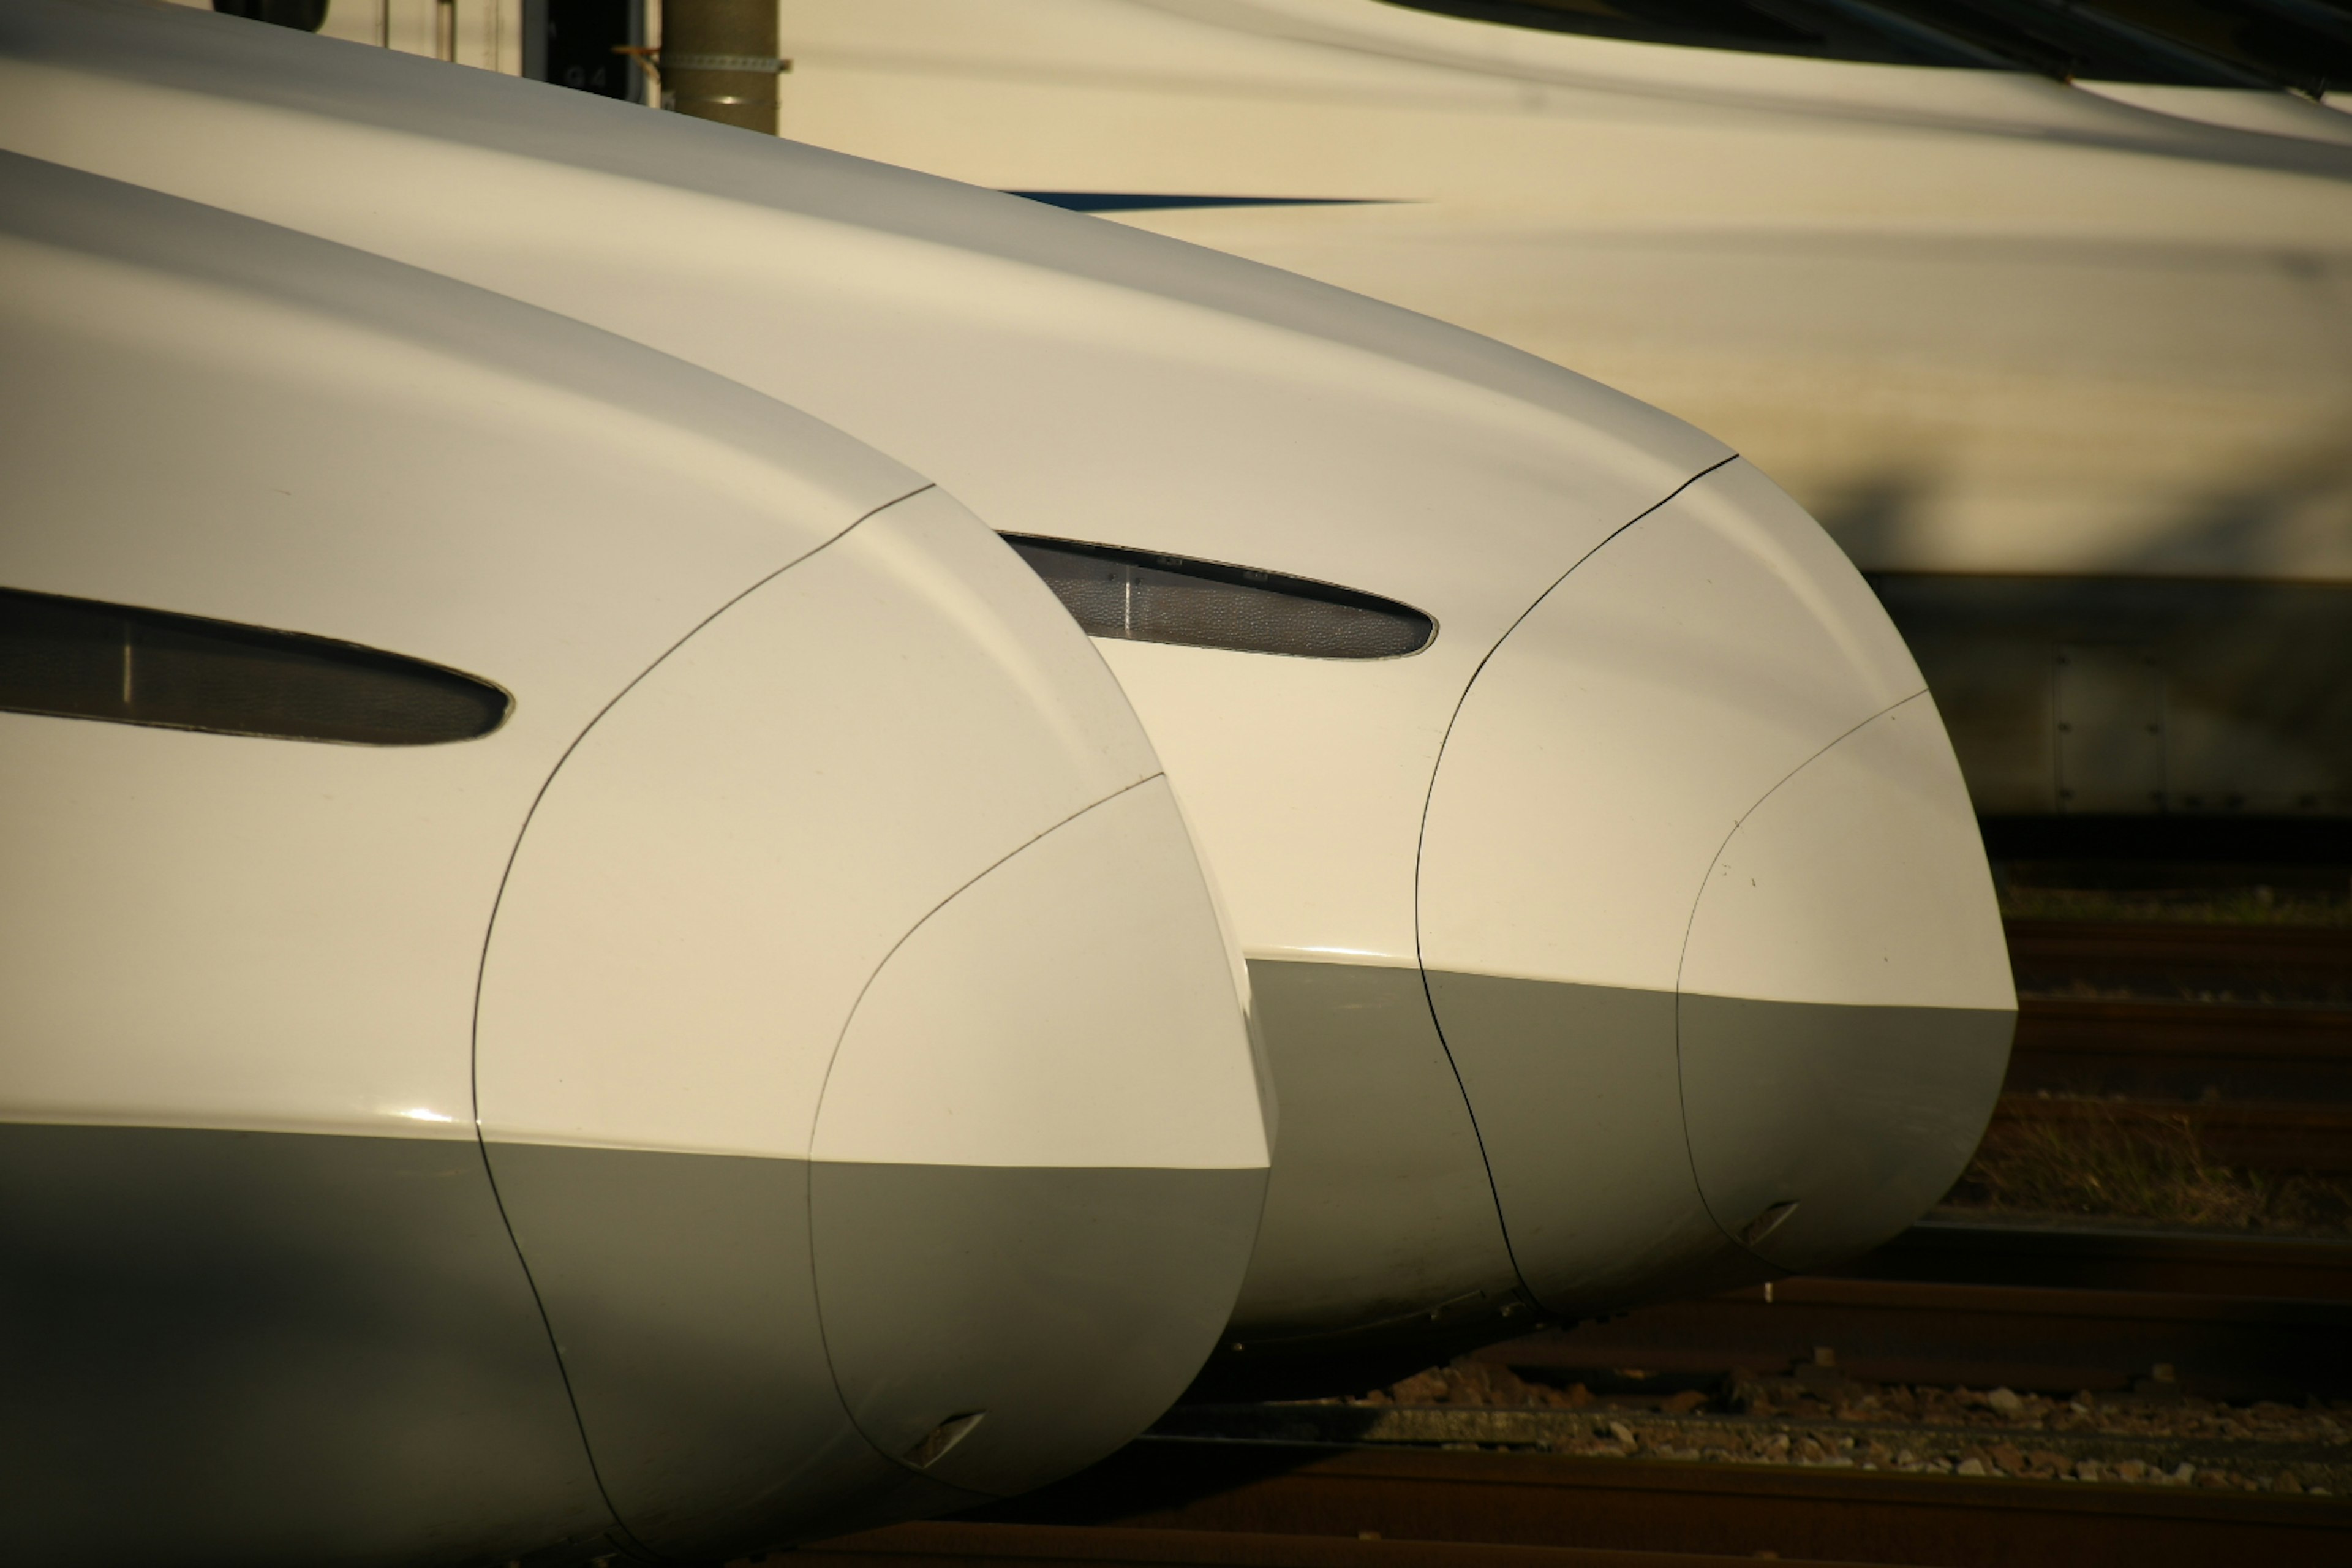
719 61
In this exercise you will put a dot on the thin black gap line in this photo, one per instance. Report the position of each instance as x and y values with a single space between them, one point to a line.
627 1538
1682 1090
1422 844
816 1289
1146 201
481 970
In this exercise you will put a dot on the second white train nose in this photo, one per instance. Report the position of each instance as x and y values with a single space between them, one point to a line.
1704 920
1844 1014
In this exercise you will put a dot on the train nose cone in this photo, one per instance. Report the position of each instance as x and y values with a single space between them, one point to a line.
1845 1012
863 1071
1040 1160
1706 924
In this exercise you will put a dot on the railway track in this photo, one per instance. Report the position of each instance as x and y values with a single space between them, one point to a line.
2181 1050
2182 961
2112 1258
2259 1017
1163 1500
2058 1309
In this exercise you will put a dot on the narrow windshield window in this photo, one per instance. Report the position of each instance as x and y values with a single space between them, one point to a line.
74 658
2306 44
1140 596
2178 42
1823 29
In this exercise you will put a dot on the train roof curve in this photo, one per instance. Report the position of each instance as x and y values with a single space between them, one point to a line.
307 76
1063 376
217 418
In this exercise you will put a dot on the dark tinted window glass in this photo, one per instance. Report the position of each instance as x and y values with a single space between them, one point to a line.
77 659
584 42
310 16
2065 40
2117 41
2304 43
1824 29
1140 596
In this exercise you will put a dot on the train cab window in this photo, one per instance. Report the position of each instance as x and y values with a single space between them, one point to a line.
2104 40
2306 44
76 659
1822 29
304 16
1137 595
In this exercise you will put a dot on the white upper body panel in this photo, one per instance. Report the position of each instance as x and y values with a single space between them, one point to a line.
1631 720
2000 100
1860 881
1089 962
1064 376
1975 320
210 416
216 417
808 811
2269 114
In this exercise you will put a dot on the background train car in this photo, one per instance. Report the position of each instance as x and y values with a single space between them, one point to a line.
2065 375
560 992
1615 916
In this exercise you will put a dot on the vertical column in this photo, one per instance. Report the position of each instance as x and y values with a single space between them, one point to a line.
719 61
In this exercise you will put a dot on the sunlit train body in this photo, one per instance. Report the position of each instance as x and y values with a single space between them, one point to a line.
2061 367
557 969
1616 919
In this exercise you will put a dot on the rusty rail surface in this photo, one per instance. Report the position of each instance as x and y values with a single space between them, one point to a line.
1246 1503
2114 1257
2043 950
2051 1341
2055 1309
2182 1051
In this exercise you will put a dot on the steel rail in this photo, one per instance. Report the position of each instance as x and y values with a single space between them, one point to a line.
1248 1503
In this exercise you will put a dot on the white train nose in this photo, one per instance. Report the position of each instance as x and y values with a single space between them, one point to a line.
1705 921
1036 1175
1844 1011
865 1074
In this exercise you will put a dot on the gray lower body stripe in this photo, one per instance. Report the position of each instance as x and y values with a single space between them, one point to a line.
759 1349
260 1348
266 1348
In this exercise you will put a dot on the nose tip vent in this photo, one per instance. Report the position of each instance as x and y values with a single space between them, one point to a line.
941 1437
1761 1229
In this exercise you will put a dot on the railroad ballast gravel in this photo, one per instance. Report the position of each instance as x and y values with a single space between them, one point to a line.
1835 1423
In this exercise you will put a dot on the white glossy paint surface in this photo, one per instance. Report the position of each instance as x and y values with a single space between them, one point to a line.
1071 1008
1635 715
1071 378
723 862
211 416
2271 114
1063 376
1976 320
1860 881
1305 780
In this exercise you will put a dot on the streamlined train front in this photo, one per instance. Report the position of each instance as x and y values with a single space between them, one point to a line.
562 997
1615 921
2037 306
